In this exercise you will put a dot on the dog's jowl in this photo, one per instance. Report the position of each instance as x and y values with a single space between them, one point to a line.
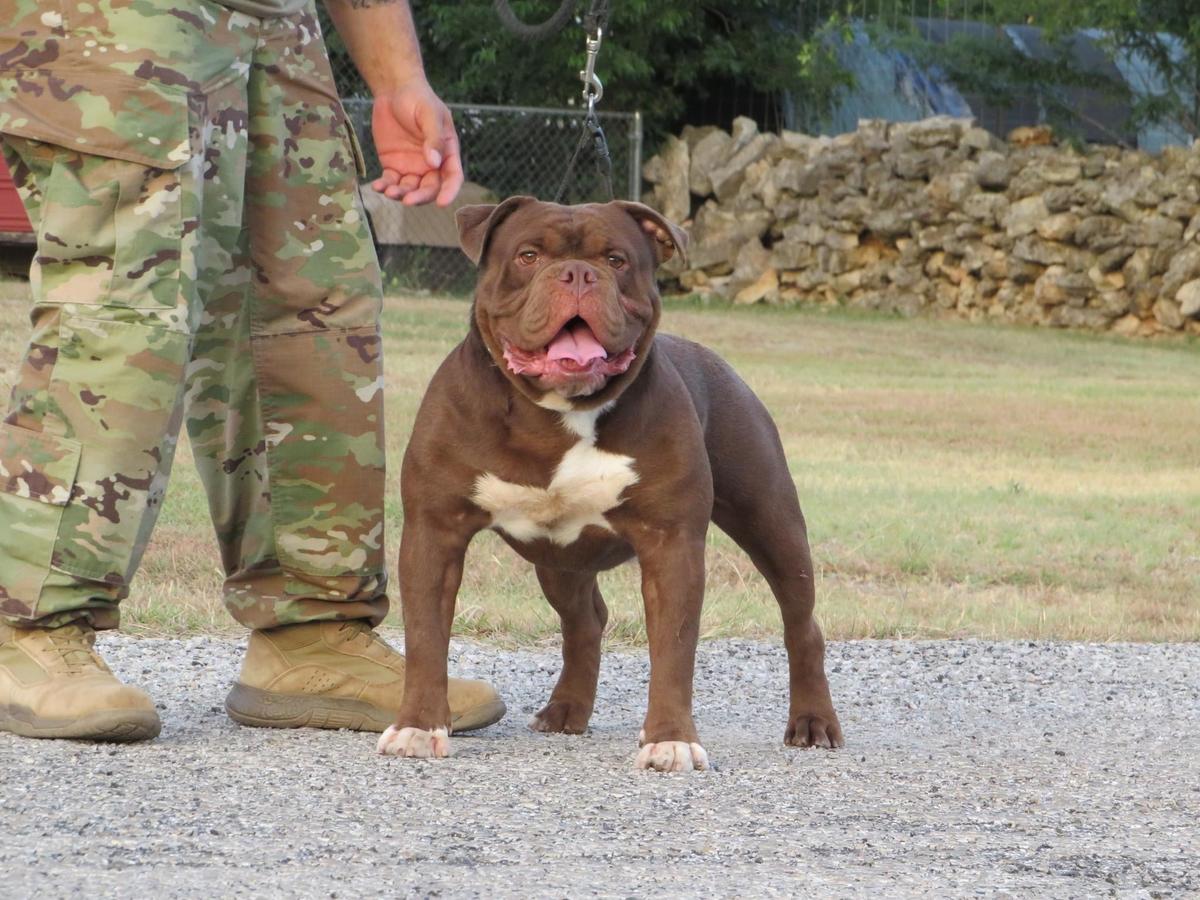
565 422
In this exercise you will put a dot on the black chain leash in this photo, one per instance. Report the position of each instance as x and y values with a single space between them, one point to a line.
594 23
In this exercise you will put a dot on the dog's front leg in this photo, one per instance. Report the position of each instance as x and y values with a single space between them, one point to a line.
672 562
431 567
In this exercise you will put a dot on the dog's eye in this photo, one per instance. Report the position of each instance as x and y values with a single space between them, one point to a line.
616 260
527 257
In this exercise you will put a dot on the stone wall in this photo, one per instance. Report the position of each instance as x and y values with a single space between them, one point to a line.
939 217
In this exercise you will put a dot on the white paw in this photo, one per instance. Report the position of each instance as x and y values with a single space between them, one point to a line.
672 756
414 743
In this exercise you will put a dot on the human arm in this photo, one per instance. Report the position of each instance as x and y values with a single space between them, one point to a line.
413 130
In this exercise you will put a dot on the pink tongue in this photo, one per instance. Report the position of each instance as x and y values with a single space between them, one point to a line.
578 344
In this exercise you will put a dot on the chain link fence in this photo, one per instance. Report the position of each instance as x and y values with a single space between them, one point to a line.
506 150
813 14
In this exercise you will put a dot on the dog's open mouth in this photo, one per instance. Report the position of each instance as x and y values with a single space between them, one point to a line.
573 357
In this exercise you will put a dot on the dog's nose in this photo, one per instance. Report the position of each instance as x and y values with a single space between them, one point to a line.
577 274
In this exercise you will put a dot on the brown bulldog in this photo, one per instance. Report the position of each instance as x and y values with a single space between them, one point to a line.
567 424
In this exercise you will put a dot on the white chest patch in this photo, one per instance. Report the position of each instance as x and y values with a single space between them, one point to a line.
587 484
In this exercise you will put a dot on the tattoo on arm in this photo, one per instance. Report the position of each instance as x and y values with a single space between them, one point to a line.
371 4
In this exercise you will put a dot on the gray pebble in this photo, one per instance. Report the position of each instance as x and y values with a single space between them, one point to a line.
1000 769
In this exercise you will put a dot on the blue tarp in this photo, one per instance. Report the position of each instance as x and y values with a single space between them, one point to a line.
892 85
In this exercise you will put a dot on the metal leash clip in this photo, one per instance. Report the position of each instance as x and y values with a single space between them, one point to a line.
593 90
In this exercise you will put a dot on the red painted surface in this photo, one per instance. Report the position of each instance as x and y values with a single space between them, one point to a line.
12 213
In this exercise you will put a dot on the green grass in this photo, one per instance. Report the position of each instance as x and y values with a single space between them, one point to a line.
958 480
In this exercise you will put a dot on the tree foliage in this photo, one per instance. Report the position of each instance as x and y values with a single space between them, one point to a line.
671 58
662 57
655 53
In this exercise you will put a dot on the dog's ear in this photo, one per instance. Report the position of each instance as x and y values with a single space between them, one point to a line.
667 237
475 223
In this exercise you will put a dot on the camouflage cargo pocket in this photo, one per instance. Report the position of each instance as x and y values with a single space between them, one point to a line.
97 112
37 473
108 150
117 387
110 233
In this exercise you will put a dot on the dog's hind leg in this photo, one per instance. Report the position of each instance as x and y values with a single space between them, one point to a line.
755 504
576 598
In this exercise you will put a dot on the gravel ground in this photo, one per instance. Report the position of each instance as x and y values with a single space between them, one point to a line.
970 768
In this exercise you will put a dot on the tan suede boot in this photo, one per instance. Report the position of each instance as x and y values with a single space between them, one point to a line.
54 685
338 675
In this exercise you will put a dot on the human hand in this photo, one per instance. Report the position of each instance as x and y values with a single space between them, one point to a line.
417 145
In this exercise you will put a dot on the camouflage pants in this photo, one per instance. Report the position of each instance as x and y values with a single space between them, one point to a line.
202 256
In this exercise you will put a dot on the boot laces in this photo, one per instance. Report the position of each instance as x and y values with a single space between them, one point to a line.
361 633
74 645
355 630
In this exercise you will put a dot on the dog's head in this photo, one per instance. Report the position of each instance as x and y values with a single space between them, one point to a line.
566 301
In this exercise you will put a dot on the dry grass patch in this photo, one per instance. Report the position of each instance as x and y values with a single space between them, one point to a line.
958 481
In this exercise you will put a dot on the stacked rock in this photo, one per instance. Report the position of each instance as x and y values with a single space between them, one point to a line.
939 217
